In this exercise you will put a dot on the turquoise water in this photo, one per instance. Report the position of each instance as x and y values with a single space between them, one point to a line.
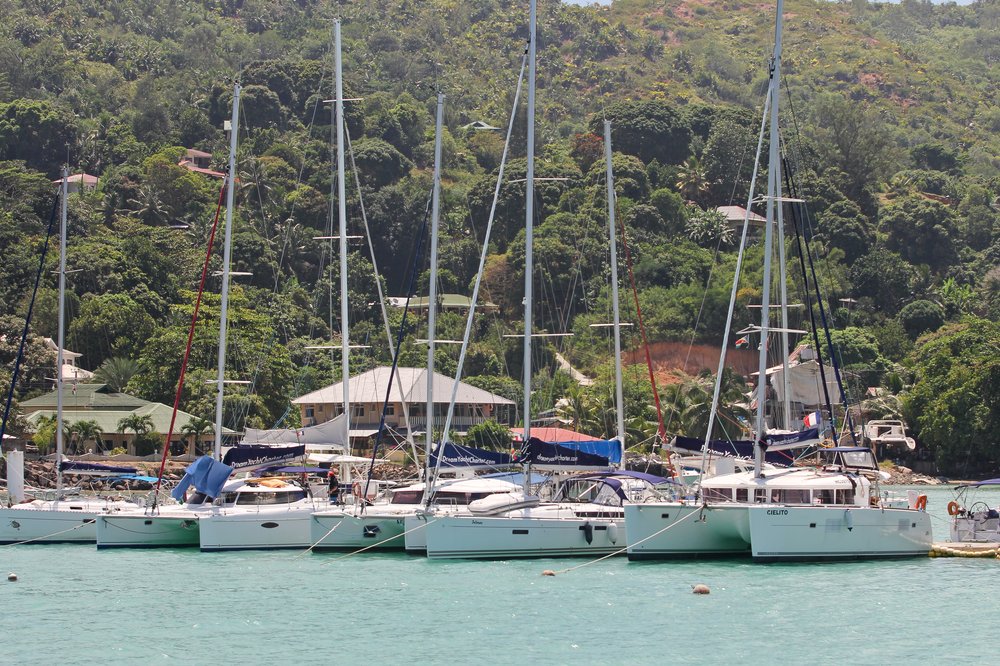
78 605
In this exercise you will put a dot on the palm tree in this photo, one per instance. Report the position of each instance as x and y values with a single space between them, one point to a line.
84 431
692 179
690 403
579 410
195 429
116 372
44 435
140 424
148 205
885 405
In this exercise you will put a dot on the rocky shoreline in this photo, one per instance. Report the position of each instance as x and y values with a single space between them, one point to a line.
41 474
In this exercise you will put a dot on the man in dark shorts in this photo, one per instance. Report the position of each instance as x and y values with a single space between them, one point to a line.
334 492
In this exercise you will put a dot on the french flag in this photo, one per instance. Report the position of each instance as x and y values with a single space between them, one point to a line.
812 420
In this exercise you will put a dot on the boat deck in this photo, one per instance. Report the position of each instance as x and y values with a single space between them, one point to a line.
965 549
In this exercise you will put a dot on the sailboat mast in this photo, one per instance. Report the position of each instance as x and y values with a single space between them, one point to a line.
529 219
227 251
772 177
432 291
60 335
786 401
345 363
616 321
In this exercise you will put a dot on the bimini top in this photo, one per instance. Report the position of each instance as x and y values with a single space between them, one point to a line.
987 482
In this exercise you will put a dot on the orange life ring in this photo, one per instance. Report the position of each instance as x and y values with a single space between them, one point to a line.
921 504
953 507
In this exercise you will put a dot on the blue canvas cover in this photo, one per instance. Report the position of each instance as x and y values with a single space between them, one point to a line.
594 454
977 484
454 455
241 457
206 474
739 448
80 467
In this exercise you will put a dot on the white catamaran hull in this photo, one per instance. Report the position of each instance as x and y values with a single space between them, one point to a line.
484 537
830 532
671 529
336 530
63 521
415 533
139 530
256 529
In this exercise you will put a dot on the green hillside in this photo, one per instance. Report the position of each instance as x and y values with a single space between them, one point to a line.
890 121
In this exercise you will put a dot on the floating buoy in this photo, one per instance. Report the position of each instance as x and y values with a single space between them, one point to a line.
12 576
548 572
700 588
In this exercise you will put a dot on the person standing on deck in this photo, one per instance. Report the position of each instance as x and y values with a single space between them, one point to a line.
334 488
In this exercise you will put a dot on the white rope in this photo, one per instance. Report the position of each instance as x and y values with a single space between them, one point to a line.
379 543
46 536
332 530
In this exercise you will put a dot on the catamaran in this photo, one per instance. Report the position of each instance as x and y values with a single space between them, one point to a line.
833 510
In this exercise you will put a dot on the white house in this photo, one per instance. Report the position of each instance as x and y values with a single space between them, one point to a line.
368 392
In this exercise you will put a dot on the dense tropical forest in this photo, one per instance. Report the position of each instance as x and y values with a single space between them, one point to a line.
891 133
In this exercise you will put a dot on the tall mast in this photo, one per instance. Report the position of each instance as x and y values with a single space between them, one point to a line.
772 178
529 221
227 248
786 401
432 291
60 335
619 400
345 363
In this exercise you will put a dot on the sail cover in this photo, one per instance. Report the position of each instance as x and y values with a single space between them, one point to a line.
333 431
778 446
79 467
454 455
242 457
599 453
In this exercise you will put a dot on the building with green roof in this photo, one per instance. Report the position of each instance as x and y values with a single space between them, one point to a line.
107 408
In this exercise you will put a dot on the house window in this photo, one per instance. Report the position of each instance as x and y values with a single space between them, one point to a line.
390 410
310 412
359 410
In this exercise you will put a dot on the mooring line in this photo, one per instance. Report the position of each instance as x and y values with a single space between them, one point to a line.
46 536
379 543
701 510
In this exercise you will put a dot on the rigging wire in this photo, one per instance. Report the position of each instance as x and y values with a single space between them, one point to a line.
190 340
421 233
27 324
